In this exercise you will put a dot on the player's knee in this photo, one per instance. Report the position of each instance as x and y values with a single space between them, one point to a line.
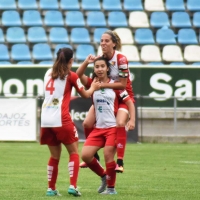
121 123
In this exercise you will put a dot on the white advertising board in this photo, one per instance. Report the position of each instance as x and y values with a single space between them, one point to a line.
18 119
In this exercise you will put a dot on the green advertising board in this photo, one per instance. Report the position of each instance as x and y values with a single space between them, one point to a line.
153 86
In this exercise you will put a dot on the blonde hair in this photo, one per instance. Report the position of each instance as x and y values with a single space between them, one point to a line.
115 38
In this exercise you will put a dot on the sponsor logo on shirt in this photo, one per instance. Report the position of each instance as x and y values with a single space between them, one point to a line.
55 101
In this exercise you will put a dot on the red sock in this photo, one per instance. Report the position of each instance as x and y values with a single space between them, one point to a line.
52 172
111 174
73 167
96 167
87 131
121 142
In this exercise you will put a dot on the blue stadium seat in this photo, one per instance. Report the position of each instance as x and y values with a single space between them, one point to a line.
144 36
181 20
41 51
187 36
60 46
96 19
11 18
36 34
25 62
196 63
15 35
27 4
46 62
159 19
131 5
90 5
58 35
134 63
193 5
74 18
83 50
5 63
165 36
8 5
53 18
111 5
155 63
2 40
80 35
177 63
175 5
48 4
4 53
69 5
32 18
20 52
117 19
98 33
196 20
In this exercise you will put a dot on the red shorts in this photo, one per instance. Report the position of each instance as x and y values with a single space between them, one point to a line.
102 137
67 134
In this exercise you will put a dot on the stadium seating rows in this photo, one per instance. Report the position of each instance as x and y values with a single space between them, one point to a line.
152 31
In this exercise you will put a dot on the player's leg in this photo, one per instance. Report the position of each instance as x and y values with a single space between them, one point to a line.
52 169
73 167
47 137
88 125
109 153
122 117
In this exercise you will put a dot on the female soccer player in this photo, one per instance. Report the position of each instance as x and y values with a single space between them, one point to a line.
57 126
106 102
119 71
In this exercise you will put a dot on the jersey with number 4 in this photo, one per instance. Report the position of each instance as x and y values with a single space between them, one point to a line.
119 69
55 108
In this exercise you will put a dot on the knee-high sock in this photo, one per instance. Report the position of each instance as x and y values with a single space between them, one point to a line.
96 167
52 172
111 174
73 167
87 131
121 142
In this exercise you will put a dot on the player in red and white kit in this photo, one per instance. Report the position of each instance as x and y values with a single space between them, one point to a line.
119 71
106 103
57 126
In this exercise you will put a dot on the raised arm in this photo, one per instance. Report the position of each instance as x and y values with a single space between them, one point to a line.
119 85
81 70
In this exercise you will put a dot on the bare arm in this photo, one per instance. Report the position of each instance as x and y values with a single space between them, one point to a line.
120 85
88 93
81 70
131 107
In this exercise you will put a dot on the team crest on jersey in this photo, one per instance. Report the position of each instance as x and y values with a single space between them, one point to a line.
112 63
55 101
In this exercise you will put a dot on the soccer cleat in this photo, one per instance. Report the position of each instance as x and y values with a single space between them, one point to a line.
103 185
83 165
109 191
74 191
119 169
51 192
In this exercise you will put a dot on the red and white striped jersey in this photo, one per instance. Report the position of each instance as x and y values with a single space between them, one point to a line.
55 108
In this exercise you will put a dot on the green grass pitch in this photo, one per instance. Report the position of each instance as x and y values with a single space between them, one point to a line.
152 172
